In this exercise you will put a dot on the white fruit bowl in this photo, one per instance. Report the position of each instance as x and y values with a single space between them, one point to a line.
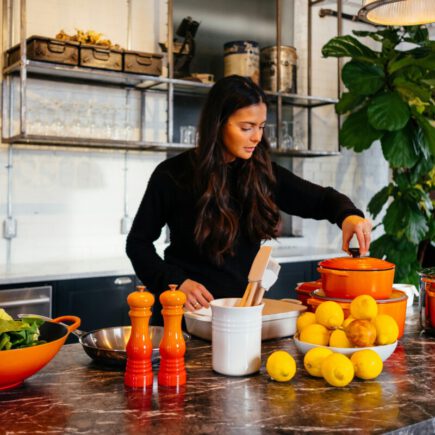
383 351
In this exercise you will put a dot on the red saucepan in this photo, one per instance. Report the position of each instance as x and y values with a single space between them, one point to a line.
349 277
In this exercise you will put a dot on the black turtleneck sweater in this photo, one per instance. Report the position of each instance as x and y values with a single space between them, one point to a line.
170 199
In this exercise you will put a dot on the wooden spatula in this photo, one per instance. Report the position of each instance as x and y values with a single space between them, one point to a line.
256 273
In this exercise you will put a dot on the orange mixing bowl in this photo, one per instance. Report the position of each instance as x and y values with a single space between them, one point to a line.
16 365
395 305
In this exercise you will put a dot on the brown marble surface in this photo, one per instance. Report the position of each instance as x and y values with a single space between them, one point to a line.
74 395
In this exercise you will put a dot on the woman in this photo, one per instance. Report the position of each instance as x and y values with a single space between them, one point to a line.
221 199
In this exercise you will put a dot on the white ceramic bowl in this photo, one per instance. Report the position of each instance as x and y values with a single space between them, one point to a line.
383 351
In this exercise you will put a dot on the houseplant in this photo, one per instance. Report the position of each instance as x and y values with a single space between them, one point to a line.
390 97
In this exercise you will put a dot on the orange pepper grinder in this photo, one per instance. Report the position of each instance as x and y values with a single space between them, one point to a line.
139 370
172 372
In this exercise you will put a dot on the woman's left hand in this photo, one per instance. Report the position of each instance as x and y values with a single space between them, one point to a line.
362 227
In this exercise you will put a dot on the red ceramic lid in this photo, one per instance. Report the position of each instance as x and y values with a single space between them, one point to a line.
359 263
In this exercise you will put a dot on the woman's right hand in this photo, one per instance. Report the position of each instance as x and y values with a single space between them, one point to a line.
197 295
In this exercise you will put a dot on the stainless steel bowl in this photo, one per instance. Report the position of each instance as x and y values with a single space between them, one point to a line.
107 345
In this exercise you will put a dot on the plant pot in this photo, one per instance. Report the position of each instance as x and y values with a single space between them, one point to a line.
349 277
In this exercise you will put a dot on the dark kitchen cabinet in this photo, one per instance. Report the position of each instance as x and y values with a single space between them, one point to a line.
99 302
289 275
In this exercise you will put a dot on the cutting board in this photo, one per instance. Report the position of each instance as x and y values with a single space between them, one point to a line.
277 306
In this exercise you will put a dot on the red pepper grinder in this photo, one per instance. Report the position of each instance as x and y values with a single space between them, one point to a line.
172 347
139 370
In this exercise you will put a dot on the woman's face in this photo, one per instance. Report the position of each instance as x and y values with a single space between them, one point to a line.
243 131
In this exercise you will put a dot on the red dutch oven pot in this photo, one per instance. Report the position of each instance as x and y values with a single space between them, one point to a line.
348 277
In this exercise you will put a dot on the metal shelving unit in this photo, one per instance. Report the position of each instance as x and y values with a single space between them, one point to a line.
143 83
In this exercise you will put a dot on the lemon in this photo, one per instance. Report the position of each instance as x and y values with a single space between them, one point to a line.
337 369
367 364
305 319
315 334
329 314
387 329
364 307
339 338
313 360
281 366
347 321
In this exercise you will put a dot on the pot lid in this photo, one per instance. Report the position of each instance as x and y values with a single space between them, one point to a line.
359 263
428 273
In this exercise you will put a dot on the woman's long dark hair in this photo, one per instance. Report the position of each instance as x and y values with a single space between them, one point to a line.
218 221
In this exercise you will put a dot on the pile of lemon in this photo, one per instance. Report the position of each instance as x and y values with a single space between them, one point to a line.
362 328
328 327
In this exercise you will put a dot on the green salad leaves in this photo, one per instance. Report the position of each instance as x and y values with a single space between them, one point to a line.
15 334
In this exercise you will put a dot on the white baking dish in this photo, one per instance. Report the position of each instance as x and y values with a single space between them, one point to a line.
279 319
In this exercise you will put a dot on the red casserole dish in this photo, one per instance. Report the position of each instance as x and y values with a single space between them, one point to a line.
348 277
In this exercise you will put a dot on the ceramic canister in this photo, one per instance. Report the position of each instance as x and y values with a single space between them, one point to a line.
269 75
242 58
236 337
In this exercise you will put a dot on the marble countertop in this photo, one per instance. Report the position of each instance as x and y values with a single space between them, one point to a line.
74 395
60 270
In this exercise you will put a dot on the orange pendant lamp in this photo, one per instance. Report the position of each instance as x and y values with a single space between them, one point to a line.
398 12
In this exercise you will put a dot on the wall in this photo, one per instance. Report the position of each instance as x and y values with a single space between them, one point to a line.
359 176
69 203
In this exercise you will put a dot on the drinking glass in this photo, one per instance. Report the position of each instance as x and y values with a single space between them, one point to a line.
187 134
271 134
286 139
298 134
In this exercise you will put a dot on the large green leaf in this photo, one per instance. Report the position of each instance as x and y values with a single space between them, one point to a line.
424 49
427 62
420 143
398 251
377 202
404 219
362 78
416 34
398 148
412 90
422 167
388 112
356 133
396 218
364 33
421 57
347 102
428 130
390 33
431 232
347 46
417 226
399 63
401 178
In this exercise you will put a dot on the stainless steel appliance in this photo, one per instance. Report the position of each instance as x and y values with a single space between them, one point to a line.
27 300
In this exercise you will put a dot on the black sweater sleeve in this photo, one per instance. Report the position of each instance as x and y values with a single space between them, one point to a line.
151 217
299 197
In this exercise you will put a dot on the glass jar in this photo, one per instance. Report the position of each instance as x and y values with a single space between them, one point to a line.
426 302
